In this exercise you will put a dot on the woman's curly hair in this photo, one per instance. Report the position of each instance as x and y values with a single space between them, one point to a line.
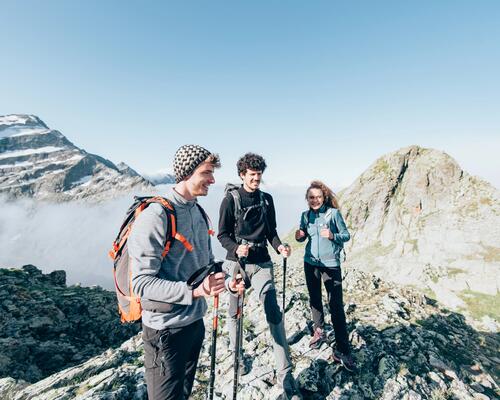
329 196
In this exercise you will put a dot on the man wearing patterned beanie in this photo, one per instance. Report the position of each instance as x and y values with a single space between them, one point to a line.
172 315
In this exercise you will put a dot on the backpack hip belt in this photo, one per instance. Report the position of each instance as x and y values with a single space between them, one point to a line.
253 244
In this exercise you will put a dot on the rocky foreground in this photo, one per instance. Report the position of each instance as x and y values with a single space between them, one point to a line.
46 326
406 347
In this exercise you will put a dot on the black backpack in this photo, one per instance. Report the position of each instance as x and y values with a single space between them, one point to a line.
240 213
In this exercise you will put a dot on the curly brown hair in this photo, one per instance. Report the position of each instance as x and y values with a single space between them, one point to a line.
251 161
329 196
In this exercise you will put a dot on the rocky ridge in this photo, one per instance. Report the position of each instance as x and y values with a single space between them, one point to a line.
39 162
417 218
405 344
46 326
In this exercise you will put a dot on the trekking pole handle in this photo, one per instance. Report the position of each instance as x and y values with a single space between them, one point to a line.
241 270
197 278
286 246
217 266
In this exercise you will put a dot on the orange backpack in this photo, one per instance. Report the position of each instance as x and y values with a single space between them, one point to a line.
129 304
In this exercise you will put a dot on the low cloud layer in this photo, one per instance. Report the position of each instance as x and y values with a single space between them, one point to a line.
76 236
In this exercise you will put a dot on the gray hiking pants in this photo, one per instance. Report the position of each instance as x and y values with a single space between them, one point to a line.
262 279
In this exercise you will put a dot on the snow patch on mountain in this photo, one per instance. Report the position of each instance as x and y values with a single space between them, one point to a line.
21 153
83 181
21 124
161 177
28 132
39 162
17 165
19 119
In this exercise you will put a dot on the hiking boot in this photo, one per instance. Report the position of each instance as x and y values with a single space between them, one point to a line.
290 389
317 339
346 360
330 337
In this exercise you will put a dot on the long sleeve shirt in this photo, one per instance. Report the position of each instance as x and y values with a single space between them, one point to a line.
254 228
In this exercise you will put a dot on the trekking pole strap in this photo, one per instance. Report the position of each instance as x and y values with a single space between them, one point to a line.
240 269
197 278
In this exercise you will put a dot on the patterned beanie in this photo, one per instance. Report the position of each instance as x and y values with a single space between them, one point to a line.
187 158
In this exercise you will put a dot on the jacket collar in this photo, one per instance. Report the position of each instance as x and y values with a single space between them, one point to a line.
179 200
321 210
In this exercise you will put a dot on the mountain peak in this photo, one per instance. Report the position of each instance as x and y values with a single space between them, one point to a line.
417 217
161 177
40 162
21 120
418 157
126 169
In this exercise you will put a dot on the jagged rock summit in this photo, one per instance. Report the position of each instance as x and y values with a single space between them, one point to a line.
417 218
39 162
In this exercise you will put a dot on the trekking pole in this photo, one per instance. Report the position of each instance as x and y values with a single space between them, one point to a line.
239 330
217 268
284 281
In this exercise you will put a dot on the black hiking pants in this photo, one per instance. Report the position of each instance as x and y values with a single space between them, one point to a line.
332 279
170 359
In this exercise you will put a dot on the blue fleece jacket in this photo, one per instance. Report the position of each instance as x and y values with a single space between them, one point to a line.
321 251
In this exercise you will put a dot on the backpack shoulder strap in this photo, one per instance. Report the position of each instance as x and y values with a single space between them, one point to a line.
139 205
306 217
264 203
237 211
263 200
237 203
328 215
207 219
172 233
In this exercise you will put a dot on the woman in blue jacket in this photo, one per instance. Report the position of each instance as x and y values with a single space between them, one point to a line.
324 228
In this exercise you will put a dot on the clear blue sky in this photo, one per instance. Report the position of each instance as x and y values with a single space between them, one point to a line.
321 88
